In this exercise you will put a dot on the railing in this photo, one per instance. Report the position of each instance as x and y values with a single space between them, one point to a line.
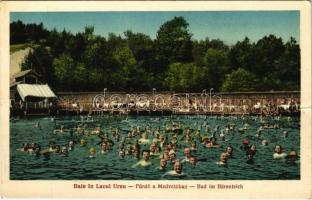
201 103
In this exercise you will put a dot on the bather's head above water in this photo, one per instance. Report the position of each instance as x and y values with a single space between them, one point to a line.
177 167
145 155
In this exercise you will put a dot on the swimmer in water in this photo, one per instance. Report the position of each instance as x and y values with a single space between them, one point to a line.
285 134
258 134
223 159
292 157
162 164
136 154
46 155
52 147
177 170
92 152
96 131
278 152
187 154
82 143
57 149
250 154
193 161
122 154
24 148
264 143
145 161
37 150
193 147
205 140
38 125
61 130
71 145
144 139
64 151
129 149
229 151
212 143
172 156
104 148
245 146
222 136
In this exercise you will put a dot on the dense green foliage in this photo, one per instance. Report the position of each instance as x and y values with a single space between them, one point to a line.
172 61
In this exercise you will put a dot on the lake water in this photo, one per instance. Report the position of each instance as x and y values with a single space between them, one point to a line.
77 165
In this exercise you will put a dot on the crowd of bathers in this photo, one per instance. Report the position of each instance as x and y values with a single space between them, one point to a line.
164 142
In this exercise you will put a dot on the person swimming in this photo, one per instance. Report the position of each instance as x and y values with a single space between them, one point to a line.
278 152
104 147
212 143
71 145
229 151
136 154
52 147
172 156
129 149
96 131
177 170
222 136
144 139
187 155
193 161
285 134
145 161
64 151
251 152
92 152
121 154
61 130
38 125
57 149
162 164
292 157
223 159
264 143
82 143
193 147
245 146
46 155
37 149
24 147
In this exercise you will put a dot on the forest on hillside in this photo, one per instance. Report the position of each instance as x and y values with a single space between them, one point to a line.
173 61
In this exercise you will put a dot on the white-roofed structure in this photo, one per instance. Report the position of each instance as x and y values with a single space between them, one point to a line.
35 90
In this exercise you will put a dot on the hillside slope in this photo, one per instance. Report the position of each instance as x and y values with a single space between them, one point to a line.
16 59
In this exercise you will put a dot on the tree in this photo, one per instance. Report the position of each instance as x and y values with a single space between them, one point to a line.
40 60
141 46
265 54
288 66
35 33
201 47
80 77
173 43
240 55
182 77
239 80
64 68
59 41
216 65
131 77
17 32
88 62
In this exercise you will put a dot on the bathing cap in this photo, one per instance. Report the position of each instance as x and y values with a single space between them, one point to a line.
245 141
292 153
